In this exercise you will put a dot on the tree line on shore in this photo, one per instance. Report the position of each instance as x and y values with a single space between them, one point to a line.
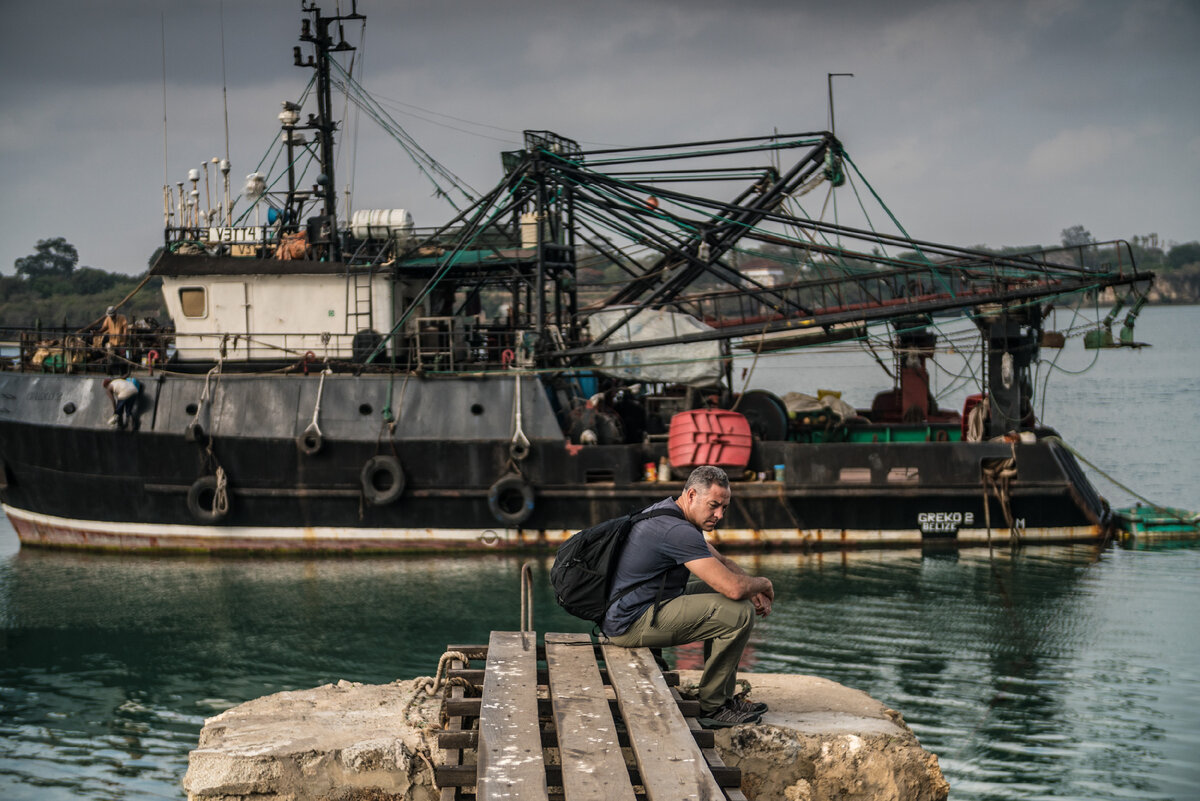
50 289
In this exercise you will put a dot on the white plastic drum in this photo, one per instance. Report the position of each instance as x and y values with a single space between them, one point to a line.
381 224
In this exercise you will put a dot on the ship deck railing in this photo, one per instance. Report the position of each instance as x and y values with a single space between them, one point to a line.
434 343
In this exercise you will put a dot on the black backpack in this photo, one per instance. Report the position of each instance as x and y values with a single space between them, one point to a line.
584 564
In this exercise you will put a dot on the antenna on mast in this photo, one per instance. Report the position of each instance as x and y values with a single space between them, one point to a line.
166 185
829 76
224 165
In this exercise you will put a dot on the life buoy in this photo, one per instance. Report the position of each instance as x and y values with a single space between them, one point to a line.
942 435
202 501
382 480
511 500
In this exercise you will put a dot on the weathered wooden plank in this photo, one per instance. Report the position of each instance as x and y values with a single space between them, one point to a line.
480 652
510 761
729 778
450 776
671 765
475 675
593 768
469 707
449 739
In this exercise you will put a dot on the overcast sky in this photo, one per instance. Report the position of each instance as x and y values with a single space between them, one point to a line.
996 123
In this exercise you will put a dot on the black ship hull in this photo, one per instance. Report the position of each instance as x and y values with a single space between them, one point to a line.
308 466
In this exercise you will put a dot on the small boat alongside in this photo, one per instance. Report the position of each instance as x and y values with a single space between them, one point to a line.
1151 524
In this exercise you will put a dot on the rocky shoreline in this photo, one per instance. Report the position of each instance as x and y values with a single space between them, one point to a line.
364 742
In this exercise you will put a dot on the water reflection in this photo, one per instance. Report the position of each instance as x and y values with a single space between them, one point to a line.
1066 671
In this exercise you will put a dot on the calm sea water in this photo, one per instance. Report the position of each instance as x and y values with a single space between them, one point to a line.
1055 672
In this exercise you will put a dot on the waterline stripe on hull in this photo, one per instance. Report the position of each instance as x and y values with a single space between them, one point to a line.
39 529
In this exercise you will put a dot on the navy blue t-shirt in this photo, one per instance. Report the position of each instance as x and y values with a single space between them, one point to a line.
658 545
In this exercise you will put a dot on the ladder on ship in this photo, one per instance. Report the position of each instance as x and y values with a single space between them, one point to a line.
550 722
359 297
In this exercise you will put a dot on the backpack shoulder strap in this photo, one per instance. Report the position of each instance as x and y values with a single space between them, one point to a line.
637 517
666 511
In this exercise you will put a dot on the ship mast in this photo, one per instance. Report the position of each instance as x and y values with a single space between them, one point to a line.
317 32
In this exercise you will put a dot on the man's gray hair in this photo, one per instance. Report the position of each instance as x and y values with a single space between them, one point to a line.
704 477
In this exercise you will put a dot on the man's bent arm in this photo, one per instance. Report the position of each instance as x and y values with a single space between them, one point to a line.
734 585
725 560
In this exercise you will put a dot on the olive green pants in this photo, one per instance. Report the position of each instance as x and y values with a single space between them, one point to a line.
699 614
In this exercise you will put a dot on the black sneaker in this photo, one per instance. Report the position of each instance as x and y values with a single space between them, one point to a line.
739 703
727 715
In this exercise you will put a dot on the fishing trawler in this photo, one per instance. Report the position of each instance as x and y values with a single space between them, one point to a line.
367 385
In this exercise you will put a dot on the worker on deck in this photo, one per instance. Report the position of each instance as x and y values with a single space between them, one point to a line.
114 330
684 591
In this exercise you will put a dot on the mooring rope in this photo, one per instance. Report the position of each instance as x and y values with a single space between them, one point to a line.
313 427
427 687
518 448
997 476
220 505
220 502
204 396
1156 507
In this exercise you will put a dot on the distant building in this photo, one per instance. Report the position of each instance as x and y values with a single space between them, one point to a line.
764 271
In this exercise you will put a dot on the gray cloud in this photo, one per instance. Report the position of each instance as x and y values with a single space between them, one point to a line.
997 123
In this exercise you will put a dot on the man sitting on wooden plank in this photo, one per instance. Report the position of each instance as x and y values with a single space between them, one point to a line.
673 587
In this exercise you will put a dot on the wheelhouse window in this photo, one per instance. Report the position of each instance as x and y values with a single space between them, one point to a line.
193 301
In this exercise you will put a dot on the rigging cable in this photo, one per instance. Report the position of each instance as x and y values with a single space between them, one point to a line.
424 161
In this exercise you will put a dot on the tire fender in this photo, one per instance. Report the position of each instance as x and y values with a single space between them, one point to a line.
201 499
309 443
382 480
511 500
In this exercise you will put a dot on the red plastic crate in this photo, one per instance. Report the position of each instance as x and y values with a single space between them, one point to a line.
709 436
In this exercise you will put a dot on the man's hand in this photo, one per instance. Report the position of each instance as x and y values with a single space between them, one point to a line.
733 585
762 604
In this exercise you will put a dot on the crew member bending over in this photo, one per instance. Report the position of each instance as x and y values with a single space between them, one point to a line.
704 595
124 393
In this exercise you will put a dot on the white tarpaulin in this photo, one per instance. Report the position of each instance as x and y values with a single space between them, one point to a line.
697 363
